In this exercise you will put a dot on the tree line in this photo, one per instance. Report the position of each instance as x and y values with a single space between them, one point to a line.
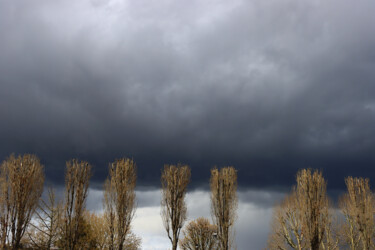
29 222
304 219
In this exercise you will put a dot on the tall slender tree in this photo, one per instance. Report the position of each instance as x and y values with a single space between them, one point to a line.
21 180
303 220
77 178
174 182
119 201
313 204
224 204
358 207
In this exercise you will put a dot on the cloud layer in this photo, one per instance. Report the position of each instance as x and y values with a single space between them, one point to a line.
268 86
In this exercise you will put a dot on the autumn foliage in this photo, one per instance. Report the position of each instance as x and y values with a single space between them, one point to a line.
224 204
301 221
119 201
304 219
174 182
199 234
358 208
21 180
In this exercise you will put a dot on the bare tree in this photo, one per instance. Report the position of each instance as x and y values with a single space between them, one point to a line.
199 234
286 227
132 242
313 205
224 204
77 178
97 236
110 214
44 233
358 207
304 220
174 182
22 181
4 205
119 201
331 238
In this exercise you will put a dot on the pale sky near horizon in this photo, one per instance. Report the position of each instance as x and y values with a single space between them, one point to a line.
252 226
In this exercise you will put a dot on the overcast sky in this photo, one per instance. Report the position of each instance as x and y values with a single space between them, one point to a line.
268 86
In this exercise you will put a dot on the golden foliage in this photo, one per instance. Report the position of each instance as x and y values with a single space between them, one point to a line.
21 180
224 204
45 233
313 205
303 220
77 178
119 201
174 182
286 226
94 234
199 234
358 207
98 234
132 242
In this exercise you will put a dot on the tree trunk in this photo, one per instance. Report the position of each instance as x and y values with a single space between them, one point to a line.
315 244
174 244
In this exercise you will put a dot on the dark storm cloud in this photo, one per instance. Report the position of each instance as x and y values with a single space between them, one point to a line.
267 86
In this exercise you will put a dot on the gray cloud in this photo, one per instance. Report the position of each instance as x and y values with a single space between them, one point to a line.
267 86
